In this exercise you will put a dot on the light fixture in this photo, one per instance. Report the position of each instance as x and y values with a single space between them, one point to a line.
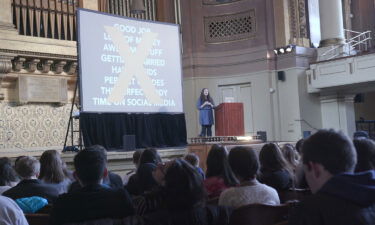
281 50
275 51
137 6
289 48
244 138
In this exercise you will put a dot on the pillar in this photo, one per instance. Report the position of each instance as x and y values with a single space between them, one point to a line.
338 113
331 22
6 19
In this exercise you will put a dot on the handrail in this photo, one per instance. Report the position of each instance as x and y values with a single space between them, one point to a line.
360 39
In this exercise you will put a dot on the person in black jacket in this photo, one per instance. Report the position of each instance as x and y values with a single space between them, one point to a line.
94 200
112 180
28 169
339 195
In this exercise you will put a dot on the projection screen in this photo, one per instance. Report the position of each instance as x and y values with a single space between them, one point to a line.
128 65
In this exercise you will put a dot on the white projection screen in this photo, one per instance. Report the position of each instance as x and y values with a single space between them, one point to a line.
128 65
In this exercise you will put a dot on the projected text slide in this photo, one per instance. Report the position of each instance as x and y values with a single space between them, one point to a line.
128 65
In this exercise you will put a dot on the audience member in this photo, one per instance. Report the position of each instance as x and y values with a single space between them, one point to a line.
28 169
339 196
183 198
245 165
93 200
300 181
52 171
132 174
8 177
193 159
299 146
365 154
291 156
112 180
219 175
144 181
275 171
10 213
360 134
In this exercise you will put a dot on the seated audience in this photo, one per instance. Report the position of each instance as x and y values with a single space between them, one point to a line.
299 146
136 156
93 200
275 171
8 177
143 181
183 198
219 175
339 196
365 154
10 213
28 169
52 171
291 156
112 180
300 181
194 161
245 165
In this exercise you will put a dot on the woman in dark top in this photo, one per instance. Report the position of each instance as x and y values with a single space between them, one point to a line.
219 175
275 171
205 104
183 198
143 180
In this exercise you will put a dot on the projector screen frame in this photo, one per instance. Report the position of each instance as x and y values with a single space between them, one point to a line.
79 77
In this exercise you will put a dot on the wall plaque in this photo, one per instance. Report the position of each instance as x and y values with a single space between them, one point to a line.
42 89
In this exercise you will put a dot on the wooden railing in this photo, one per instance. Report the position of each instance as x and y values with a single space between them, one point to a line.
46 18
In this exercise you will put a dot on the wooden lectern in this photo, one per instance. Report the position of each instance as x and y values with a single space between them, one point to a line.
229 120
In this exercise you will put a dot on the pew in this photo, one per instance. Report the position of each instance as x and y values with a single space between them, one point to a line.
37 218
293 194
260 214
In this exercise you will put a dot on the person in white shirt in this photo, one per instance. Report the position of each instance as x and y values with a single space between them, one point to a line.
10 213
245 165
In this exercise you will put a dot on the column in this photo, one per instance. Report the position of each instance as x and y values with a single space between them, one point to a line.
338 113
331 22
6 19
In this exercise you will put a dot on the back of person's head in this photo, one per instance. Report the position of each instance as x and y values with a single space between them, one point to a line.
27 167
183 185
192 158
7 173
244 162
90 166
137 156
98 148
332 149
218 165
18 159
291 155
360 134
365 154
51 167
271 159
150 155
299 145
